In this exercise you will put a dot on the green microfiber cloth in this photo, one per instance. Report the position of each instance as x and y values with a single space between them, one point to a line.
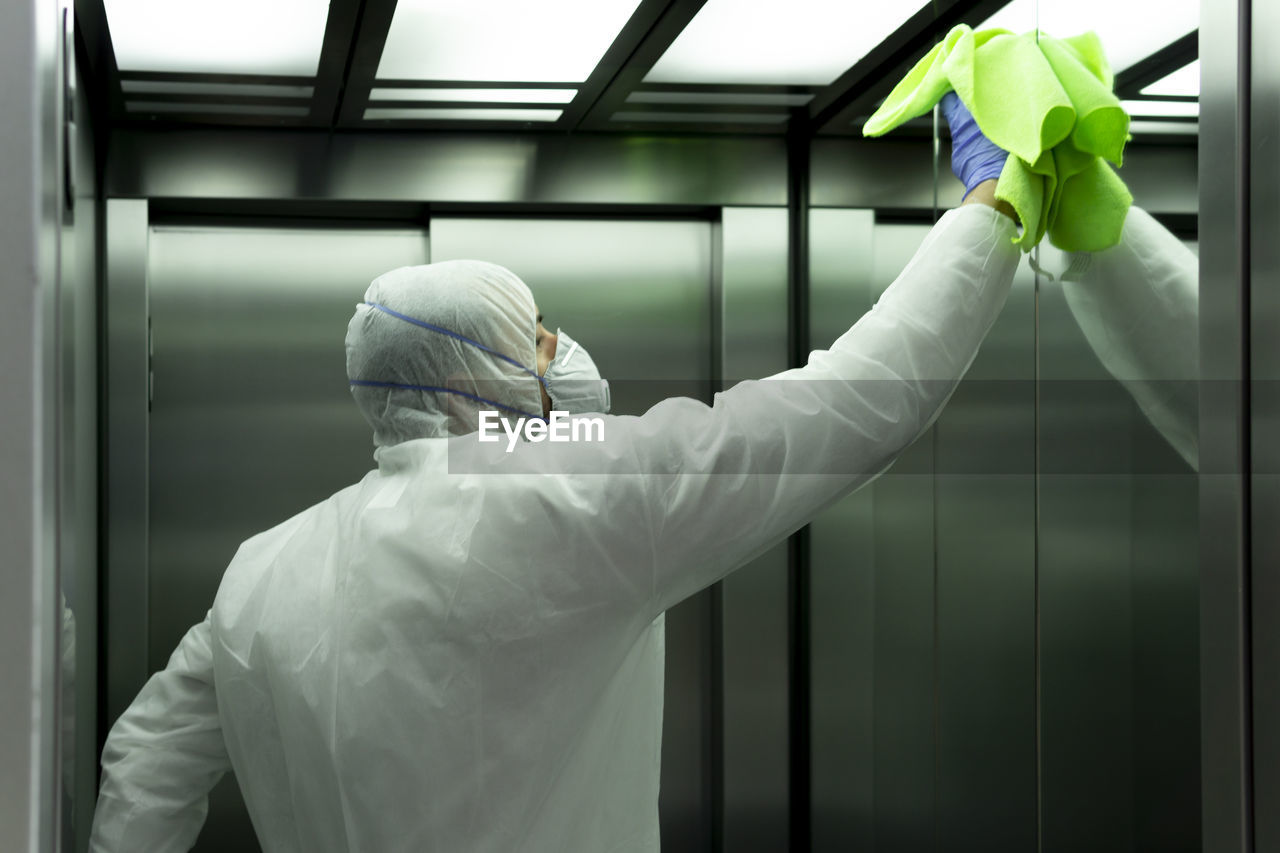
1046 101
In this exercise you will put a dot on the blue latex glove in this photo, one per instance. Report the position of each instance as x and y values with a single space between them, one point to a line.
974 158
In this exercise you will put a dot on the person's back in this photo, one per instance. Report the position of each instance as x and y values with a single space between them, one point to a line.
397 681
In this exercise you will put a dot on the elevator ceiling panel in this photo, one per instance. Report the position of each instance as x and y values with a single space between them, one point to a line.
511 40
1129 32
218 36
805 42
604 66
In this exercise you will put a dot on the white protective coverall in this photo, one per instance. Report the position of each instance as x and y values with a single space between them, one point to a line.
1138 306
433 660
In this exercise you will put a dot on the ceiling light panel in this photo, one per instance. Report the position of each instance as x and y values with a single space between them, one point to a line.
460 114
218 36
1164 128
754 99
1129 31
1185 82
702 118
1161 109
516 96
518 41
801 43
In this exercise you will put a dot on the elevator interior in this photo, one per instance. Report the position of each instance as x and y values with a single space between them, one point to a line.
998 645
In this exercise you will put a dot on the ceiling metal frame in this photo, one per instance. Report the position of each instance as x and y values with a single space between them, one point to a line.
1131 81
367 54
356 33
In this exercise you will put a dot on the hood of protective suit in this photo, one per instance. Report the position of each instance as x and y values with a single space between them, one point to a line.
433 346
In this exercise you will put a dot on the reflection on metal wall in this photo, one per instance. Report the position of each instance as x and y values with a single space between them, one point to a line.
638 295
1117 550
252 420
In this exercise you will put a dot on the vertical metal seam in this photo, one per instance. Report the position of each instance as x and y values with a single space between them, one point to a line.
1036 547
798 142
716 711
935 441
101 352
1035 556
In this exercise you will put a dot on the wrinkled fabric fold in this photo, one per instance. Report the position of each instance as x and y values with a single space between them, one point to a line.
1049 103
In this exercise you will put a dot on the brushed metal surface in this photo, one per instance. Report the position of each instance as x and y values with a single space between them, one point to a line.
492 168
1226 781
903 640
1264 402
898 173
78 491
29 202
872 592
985 599
125 469
842 573
754 724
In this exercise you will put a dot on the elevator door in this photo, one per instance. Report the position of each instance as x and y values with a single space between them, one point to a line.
638 296
252 420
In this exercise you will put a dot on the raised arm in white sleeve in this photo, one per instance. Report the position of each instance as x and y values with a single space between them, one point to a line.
769 455
162 757
1138 306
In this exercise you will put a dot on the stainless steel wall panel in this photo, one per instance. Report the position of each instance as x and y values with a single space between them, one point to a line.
250 391
853 173
637 294
1166 675
1264 403
754 287
903 636
1084 548
754 726
872 629
28 608
842 575
78 491
904 657
1224 226
842 271
985 598
495 168
898 173
1116 544
127 534
842 668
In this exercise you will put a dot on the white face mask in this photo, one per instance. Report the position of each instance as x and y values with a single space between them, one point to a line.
573 382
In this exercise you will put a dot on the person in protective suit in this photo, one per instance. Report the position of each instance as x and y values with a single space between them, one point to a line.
464 650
